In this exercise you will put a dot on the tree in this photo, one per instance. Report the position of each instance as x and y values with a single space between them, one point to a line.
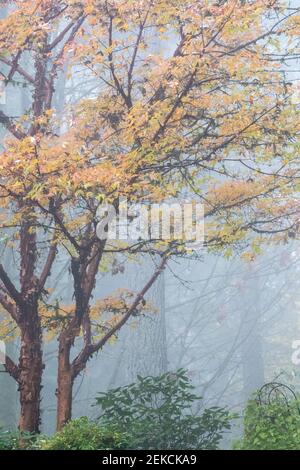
213 115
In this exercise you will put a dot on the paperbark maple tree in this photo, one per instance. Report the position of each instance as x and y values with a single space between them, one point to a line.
188 95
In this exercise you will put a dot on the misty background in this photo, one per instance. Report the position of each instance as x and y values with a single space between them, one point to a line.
231 324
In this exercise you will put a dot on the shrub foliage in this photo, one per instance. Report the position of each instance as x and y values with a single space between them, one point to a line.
272 426
163 413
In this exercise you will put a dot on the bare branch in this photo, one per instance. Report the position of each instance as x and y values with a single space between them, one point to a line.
13 292
10 126
89 349
60 37
48 265
17 68
8 305
118 85
11 368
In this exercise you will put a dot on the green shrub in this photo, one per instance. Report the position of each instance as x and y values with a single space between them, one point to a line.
159 413
154 413
9 440
271 427
79 434
82 434
14 440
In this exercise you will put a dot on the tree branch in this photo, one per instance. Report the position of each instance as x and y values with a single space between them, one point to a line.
89 349
13 292
10 126
11 368
48 265
8 305
18 69
60 37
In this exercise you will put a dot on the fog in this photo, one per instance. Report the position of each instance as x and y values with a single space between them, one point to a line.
230 323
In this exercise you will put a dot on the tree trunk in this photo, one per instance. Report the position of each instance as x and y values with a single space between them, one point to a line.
31 368
64 385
